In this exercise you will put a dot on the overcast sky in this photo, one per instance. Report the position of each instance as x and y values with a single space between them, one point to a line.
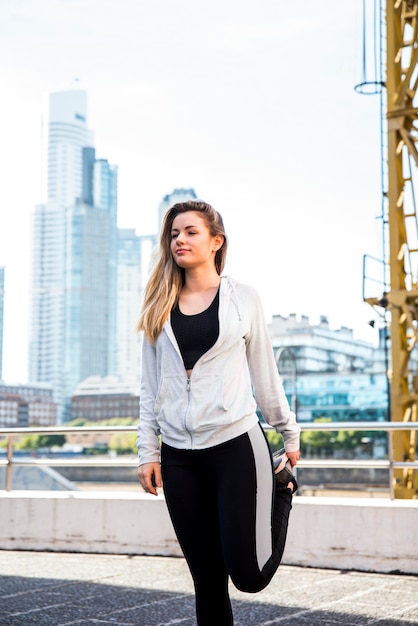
251 103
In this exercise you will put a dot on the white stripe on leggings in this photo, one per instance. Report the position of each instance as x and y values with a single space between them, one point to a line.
264 477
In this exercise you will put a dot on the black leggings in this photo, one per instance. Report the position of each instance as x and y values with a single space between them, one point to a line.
229 518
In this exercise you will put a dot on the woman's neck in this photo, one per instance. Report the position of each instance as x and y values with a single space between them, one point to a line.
197 295
198 282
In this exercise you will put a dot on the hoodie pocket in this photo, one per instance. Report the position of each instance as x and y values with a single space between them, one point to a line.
207 407
172 399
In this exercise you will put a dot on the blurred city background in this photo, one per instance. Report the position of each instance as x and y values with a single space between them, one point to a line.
298 122
264 120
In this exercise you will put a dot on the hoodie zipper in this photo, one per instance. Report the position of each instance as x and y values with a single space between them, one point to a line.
188 386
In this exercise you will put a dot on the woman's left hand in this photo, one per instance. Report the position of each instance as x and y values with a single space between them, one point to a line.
293 457
149 475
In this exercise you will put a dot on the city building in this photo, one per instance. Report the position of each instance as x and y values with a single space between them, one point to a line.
128 353
104 190
73 257
97 399
134 254
328 373
1 319
27 405
67 135
134 259
177 195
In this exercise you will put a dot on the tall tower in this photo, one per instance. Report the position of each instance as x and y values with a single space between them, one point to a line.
177 195
1 319
73 260
105 198
129 302
67 136
134 255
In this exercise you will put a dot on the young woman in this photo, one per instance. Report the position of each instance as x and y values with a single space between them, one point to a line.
206 349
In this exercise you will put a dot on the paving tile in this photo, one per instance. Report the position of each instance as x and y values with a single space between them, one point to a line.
69 589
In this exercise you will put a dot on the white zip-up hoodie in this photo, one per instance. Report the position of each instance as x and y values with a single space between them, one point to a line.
217 402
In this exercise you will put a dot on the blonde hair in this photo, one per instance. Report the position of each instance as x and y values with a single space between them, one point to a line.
167 278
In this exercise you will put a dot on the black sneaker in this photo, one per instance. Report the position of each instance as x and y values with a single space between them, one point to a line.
283 471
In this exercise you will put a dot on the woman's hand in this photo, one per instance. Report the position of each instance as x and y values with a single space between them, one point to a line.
293 457
149 475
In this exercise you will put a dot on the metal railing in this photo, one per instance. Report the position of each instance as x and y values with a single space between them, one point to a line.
11 461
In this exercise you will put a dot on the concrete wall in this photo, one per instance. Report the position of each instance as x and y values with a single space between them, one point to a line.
376 535
363 534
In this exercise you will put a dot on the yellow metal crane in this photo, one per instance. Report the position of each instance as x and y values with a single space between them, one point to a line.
400 299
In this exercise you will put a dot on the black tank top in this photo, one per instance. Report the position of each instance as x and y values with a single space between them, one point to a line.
197 333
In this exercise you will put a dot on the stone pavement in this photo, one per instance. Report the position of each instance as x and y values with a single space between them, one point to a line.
63 589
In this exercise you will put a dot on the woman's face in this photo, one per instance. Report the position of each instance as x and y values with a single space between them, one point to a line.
192 245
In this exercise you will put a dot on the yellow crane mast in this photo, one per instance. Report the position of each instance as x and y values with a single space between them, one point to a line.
401 298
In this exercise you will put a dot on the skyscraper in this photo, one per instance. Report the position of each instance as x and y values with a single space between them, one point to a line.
134 253
68 134
73 262
1 319
129 297
105 198
177 195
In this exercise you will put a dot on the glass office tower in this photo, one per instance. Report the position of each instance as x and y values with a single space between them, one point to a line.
134 256
73 257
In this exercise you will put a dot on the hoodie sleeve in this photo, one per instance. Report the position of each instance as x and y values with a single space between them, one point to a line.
268 389
148 442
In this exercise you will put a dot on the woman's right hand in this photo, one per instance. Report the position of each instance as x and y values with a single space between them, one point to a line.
149 475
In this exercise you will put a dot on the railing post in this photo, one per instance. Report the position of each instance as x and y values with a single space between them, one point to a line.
9 466
391 468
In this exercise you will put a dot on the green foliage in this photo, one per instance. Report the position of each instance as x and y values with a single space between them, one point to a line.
348 439
325 442
78 422
120 443
123 443
121 421
275 440
99 448
114 421
33 442
318 440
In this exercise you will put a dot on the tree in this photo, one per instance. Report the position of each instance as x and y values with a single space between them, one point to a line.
318 441
123 443
275 440
33 442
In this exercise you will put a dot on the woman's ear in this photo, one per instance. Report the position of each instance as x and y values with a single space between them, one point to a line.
218 242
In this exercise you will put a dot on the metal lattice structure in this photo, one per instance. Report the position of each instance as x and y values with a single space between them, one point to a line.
400 300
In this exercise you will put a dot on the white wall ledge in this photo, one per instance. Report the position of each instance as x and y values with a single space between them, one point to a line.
373 534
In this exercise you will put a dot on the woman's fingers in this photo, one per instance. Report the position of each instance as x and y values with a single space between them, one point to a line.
149 475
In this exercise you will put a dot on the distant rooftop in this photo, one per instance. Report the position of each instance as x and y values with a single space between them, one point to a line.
110 385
